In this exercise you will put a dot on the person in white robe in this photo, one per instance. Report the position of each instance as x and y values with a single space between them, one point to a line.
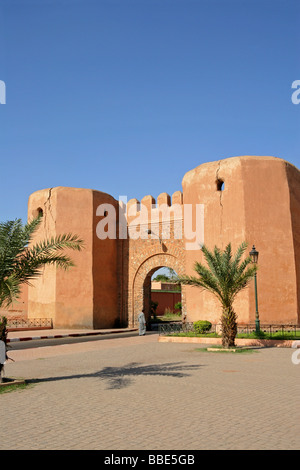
142 324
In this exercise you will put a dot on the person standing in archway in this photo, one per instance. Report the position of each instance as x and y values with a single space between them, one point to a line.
142 324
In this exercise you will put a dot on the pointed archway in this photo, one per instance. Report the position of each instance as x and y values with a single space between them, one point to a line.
141 289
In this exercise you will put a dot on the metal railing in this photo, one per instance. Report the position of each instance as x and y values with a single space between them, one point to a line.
269 329
178 327
29 323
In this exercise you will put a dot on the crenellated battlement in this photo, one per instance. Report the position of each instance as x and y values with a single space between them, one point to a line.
155 217
163 204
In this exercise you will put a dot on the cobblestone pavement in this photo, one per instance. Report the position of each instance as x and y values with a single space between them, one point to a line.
139 394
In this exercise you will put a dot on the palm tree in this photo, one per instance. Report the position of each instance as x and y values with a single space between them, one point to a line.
21 262
225 277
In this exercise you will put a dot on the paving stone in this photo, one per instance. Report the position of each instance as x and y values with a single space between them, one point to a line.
137 393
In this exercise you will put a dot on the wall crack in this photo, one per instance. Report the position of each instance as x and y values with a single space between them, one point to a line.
48 209
220 200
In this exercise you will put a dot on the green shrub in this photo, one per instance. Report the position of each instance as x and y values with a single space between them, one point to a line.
168 312
178 306
202 326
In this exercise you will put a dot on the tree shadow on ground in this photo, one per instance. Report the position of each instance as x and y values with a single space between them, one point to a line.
121 377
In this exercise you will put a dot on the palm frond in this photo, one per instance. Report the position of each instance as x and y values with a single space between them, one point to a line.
244 279
31 227
212 259
238 256
20 262
9 290
225 274
58 243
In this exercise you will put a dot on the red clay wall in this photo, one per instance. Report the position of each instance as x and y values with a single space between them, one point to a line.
165 300
105 271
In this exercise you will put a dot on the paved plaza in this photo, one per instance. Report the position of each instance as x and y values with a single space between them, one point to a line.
139 394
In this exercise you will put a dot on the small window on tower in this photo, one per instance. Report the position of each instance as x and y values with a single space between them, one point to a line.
220 185
38 212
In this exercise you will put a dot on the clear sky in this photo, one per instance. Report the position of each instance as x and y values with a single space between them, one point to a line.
126 96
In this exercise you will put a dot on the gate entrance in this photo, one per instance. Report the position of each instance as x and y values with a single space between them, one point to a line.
165 295
141 291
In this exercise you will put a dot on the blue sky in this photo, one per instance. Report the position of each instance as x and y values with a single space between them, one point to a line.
126 96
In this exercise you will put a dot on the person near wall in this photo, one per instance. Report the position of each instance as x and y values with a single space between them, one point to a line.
142 324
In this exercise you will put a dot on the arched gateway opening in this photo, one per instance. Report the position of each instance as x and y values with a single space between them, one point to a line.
141 292
165 295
